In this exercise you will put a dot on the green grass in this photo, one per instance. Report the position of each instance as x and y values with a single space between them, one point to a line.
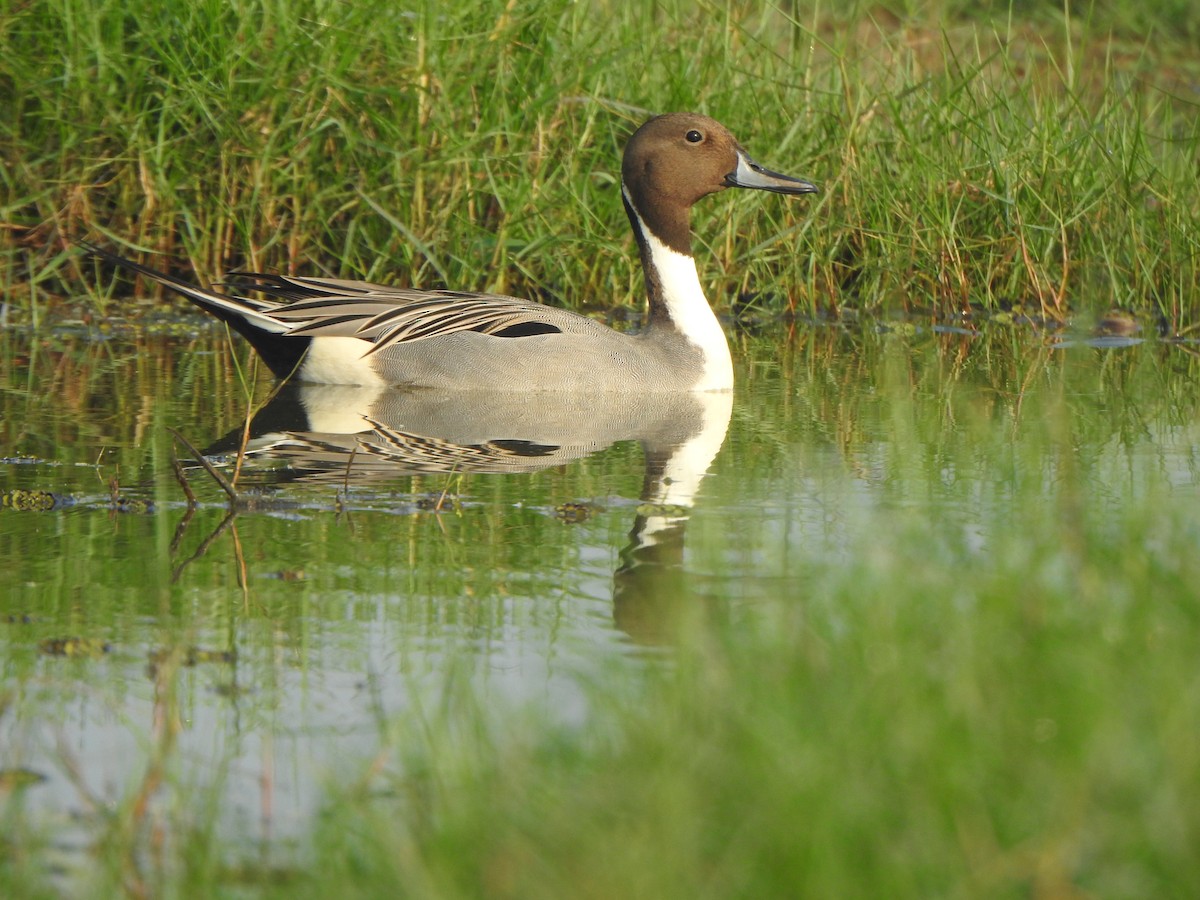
972 159
893 733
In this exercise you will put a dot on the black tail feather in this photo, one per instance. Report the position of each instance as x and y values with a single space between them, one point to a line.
280 351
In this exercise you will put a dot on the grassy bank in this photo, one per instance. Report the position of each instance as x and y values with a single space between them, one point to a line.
1029 157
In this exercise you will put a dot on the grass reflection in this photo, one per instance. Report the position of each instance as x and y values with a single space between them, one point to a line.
930 630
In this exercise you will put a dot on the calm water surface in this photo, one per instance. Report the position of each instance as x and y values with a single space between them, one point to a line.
383 545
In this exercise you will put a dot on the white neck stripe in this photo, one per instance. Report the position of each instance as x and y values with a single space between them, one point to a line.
688 308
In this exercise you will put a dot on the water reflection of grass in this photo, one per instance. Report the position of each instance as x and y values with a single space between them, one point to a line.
928 720
957 658
1021 160
924 712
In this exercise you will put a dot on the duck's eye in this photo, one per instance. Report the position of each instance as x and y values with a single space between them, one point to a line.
694 137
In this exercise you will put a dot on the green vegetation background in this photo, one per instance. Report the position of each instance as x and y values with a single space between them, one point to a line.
982 157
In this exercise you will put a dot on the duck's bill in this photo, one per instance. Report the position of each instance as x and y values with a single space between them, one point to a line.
750 174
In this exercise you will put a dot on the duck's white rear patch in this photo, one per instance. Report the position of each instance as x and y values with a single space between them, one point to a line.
339 360
689 310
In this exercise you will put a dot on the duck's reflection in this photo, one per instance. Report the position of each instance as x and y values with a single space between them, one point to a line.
350 435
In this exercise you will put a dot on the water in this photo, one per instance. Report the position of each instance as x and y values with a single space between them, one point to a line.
382 547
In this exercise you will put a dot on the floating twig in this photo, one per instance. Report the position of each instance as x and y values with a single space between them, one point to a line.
220 479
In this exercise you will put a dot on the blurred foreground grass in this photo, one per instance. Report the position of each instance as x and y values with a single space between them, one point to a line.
923 722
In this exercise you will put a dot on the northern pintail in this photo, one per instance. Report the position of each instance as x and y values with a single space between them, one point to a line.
332 331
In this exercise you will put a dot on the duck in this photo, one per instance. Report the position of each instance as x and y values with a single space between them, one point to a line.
335 331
